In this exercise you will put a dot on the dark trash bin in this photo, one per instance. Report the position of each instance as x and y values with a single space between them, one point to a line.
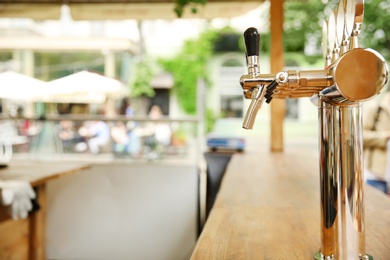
217 163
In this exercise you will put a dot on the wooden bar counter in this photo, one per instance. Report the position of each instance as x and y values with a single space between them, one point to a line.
268 207
25 238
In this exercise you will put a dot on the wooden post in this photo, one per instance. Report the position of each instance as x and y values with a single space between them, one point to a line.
278 106
38 227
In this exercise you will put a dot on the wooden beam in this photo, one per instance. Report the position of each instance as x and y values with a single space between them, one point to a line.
38 227
66 44
278 106
60 2
114 10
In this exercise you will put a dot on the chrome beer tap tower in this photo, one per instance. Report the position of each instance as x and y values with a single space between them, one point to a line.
352 74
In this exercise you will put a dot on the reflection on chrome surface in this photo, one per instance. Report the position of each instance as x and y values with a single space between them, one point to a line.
351 75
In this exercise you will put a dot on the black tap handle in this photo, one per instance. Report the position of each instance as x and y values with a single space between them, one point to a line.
270 91
272 86
252 41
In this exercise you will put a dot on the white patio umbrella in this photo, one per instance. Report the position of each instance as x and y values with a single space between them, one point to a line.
84 87
16 86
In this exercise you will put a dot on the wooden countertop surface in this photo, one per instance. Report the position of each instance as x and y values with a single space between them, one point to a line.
268 207
38 173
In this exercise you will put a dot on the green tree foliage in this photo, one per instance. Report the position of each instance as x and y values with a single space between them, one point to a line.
192 4
376 26
143 76
304 19
189 65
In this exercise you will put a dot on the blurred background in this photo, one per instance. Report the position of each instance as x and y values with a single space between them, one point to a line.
131 84
52 57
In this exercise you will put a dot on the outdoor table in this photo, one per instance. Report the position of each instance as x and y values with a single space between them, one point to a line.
25 238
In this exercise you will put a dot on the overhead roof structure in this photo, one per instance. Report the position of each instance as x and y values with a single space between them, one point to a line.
121 9
66 44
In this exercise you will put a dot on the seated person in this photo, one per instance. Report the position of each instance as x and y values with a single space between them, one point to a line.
98 136
120 137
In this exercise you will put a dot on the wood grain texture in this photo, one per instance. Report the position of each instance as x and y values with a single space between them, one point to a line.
268 207
14 237
278 106
38 227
